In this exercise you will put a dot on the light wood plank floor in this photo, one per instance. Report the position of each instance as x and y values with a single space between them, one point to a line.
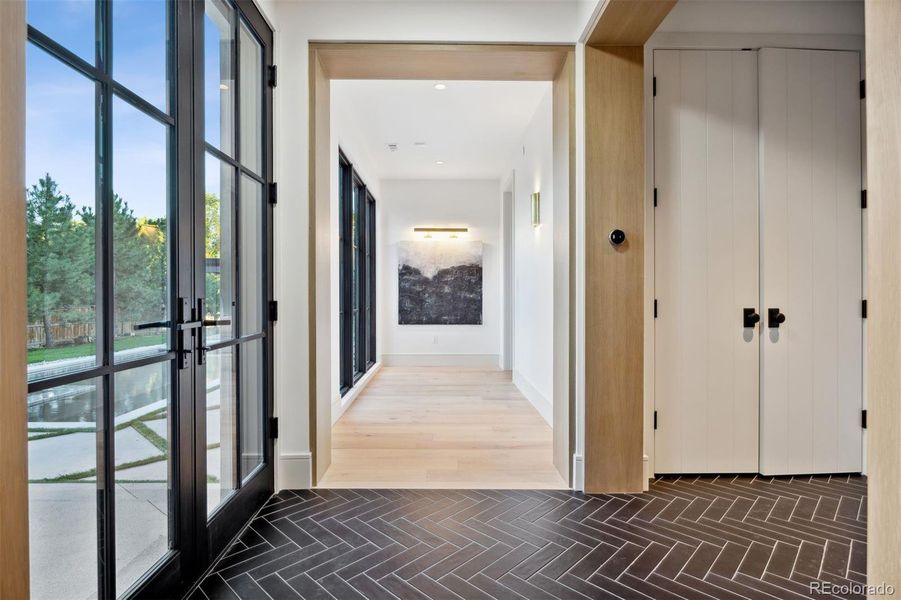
429 427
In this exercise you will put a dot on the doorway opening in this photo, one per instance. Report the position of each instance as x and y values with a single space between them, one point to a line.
429 257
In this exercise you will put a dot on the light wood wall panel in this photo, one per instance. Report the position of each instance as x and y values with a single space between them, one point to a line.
614 276
319 268
629 22
564 126
13 442
883 106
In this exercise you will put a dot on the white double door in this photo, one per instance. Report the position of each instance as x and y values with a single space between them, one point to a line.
757 176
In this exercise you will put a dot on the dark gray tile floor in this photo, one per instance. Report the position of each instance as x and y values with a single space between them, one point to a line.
688 537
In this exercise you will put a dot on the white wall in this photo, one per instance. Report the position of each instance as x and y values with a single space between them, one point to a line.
532 301
345 135
441 203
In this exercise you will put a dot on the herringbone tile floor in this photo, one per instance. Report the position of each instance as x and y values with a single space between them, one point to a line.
688 537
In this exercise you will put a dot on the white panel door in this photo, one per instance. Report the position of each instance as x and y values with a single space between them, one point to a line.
706 261
811 366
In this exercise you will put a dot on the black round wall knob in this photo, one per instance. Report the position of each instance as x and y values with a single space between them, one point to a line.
617 237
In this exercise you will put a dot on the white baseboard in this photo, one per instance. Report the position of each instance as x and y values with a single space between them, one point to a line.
646 482
541 404
578 473
295 471
472 361
342 403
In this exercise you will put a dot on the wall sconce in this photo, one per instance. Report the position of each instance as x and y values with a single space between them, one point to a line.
536 209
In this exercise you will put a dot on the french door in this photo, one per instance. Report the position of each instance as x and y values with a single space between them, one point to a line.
758 262
149 262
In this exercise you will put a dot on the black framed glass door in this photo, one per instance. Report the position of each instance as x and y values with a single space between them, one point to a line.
234 387
149 340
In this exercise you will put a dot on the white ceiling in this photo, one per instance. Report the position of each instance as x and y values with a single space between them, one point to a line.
473 126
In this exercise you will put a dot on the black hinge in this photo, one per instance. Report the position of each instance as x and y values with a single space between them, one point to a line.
863 418
655 197
655 419
863 89
273 310
863 198
655 308
863 308
273 76
273 428
273 193
655 86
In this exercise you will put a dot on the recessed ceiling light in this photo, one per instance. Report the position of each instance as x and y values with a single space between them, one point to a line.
440 86
439 162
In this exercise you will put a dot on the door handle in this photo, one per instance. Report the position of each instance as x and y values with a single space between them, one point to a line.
750 317
775 318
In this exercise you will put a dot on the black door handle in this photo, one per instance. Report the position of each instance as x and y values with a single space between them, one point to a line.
775 318
750 317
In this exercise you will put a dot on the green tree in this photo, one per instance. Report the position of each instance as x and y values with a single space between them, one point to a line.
213 246
60 256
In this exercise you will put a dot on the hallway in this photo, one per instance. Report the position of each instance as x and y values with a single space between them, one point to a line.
431 427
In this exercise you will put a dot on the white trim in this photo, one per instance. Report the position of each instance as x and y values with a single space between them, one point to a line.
473 361
578 473
646 481
543 405
341 403
295 471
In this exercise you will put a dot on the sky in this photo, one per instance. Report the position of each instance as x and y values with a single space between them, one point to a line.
60 113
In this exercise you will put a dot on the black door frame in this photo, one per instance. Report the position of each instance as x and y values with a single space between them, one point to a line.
194 541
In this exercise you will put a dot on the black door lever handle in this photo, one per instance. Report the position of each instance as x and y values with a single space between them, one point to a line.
775 318
750 317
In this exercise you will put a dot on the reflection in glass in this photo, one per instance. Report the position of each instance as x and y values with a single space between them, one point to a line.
219 75
143 471
140 233
61 230
62 493
222 469
251 54
219 244
250 256
139 48
252 398
70 24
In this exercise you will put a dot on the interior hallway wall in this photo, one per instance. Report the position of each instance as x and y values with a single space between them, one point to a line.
532 300
345 135
406 204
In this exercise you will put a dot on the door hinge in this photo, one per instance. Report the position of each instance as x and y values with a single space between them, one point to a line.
273 75
655 197
273 310
654 84
863 308
655 419
273 193
863 89
273 428
863 418
655 308
863 198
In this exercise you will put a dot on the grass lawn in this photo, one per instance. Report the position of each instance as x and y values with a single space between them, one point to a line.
37 355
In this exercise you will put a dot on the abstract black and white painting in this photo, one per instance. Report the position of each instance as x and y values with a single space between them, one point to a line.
439 282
